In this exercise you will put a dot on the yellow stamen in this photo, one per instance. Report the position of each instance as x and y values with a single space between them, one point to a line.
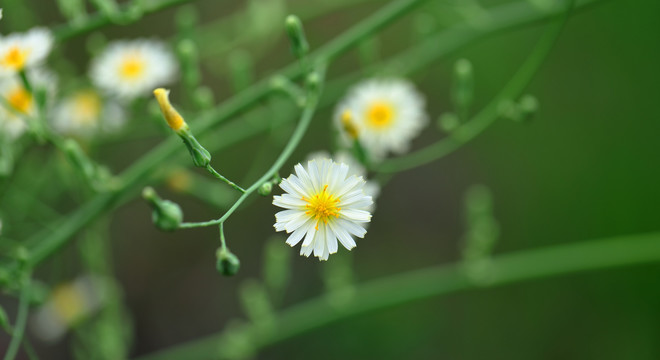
20 100
173 118
349 126
69 302
380 114
322 206
132 67
15 58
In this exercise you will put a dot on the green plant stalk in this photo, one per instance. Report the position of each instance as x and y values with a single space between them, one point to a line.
99 20
21 319
421 284
45 243
301 128
475 126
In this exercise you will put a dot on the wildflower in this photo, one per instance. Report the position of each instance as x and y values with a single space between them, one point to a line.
20 51
323 204
385 115
85 113
19 104
68 304
129 69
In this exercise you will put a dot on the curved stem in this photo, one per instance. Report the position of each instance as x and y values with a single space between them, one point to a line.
301 128
21 319
98 20
489 113
421 284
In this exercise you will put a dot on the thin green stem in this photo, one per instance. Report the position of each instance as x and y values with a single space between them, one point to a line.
415 285
219 176
98 20
21 319
489 113
223 242
301 128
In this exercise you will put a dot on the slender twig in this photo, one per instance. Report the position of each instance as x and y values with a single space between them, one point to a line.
219 176
305 119
425 283
98 20
21 319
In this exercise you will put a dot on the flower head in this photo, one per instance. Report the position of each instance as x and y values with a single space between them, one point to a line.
85 113
20 103
20 51
132 68
384 114
323 204
68 304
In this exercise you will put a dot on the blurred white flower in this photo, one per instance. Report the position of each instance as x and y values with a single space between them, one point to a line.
85 114
19 51
68 304
129 69
386 114
323 204
19 104
371 188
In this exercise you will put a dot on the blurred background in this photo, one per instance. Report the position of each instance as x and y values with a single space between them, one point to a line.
585 167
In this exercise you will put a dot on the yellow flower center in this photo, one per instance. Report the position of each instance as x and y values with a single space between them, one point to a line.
380 114
20 100
15 58
132 67
322 206
87 106
69 303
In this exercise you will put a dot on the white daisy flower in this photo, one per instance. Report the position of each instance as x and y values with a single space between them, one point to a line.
386 114
132 68
323 204
85 114
68 304
371 188
19 103
21 51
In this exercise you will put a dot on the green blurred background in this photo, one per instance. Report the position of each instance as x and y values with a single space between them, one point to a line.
586 167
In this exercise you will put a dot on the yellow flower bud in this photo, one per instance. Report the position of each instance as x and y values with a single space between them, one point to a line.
173 118
347 124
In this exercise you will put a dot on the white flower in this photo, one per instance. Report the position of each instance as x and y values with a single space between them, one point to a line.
85 113
20 103
68 304
323 204
21 51
371 188
386 114
132 68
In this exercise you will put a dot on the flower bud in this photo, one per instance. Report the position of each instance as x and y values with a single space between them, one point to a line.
166 214
173 118
348 125
200 156
227 263
528 106
463 87
265 189
448 122
294 29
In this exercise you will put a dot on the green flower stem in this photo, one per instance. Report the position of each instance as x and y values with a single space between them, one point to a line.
421 284
100 19
488 114
301 128
219 176
21 319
